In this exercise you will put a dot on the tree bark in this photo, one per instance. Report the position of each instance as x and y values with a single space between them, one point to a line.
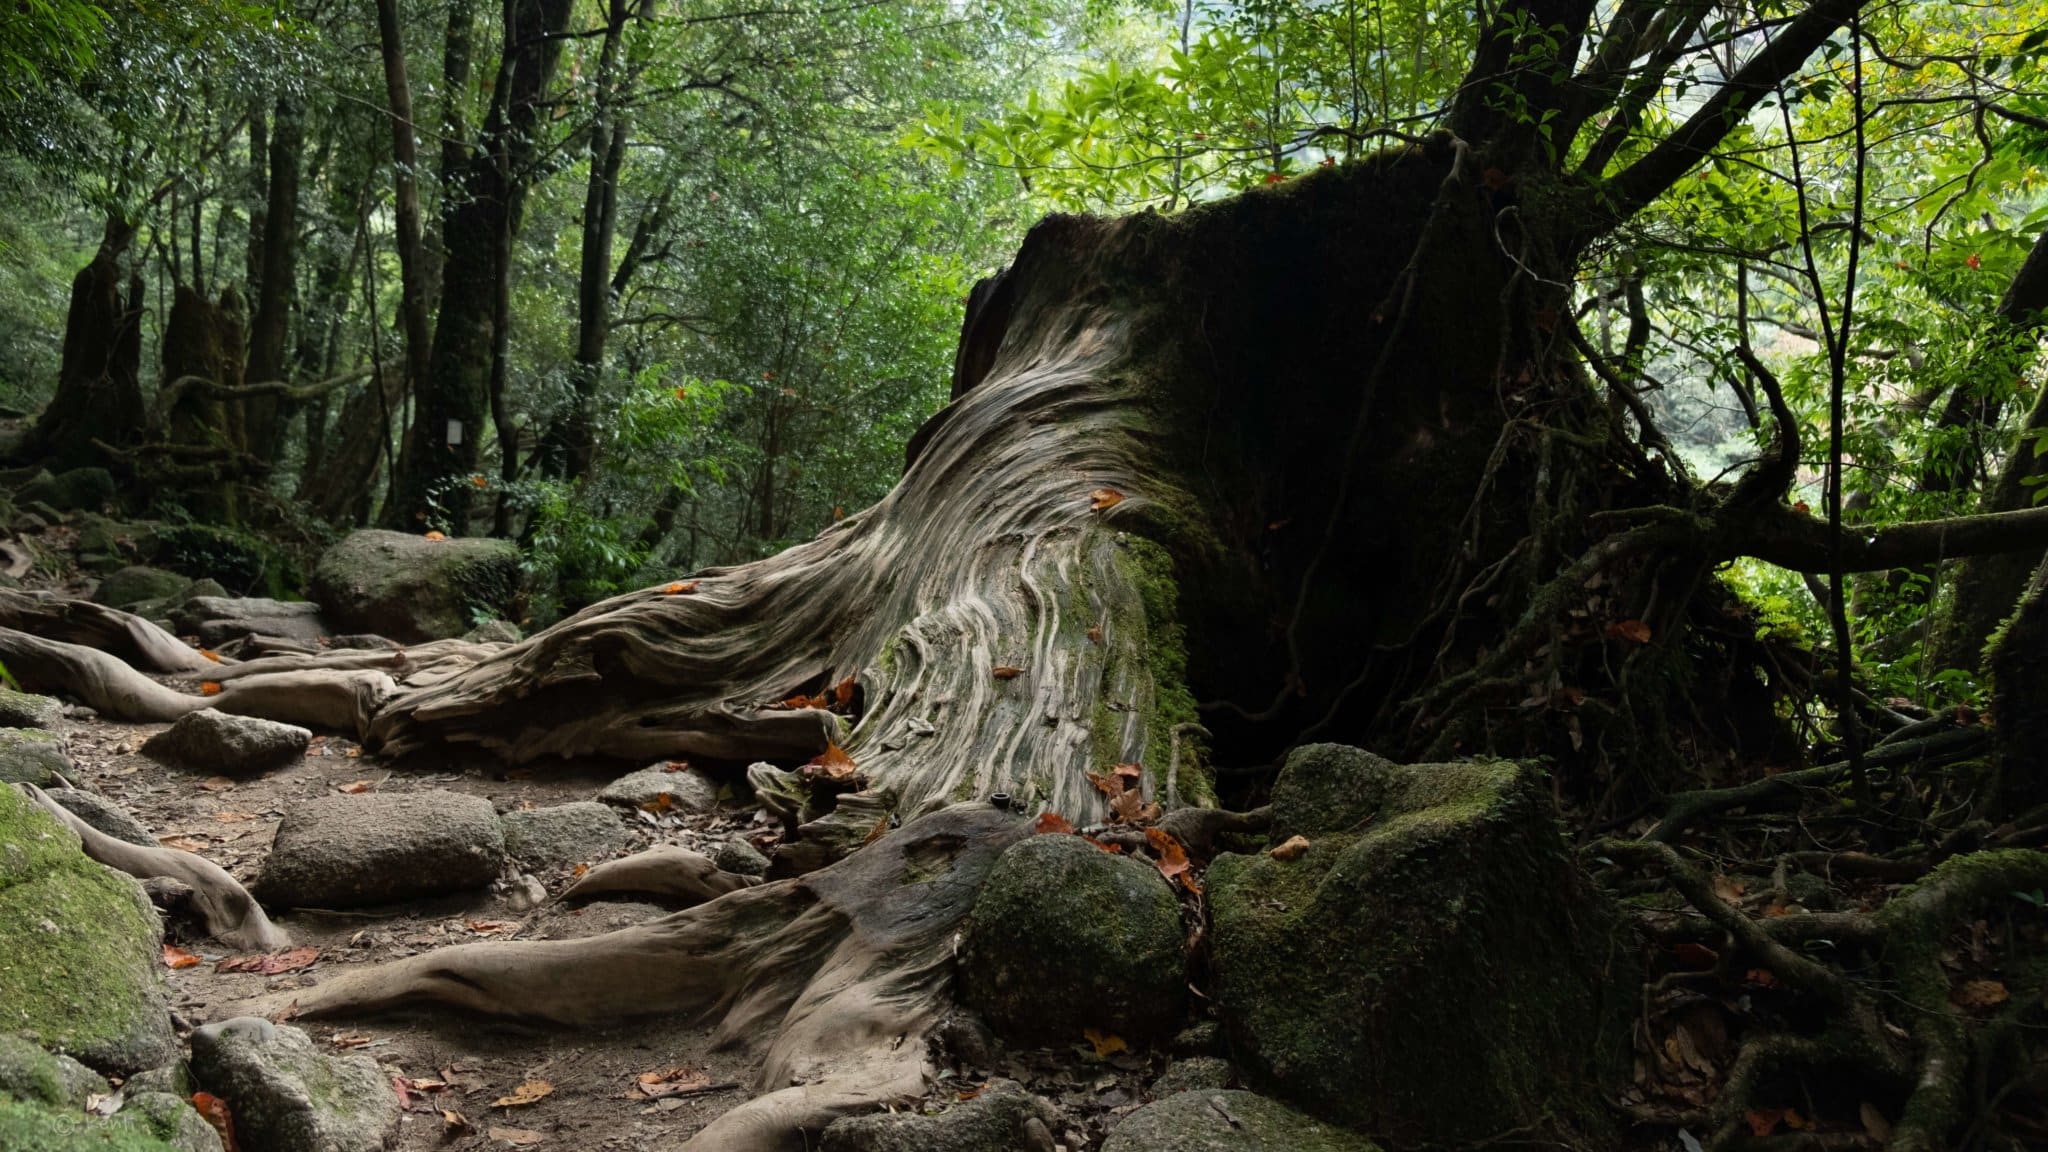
412 264
608 130
453 400
269 328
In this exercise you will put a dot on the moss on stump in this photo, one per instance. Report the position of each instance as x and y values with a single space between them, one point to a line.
79 947
1435 969
1065 937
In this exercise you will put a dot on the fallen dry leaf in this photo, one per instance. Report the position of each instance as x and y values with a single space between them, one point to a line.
662 802
209 688
842 693
176 957
1291 849
1106 1043
671 1082
436 535
517 1137
1095 634
834 764
1726 889
1110 786
1130 771
1051 822
489 927
679 588
1764 1121
181 843
1006 672
227 817
453 1124
210 654
1875 1125
1977 994
531 1092
1173 859
1129 807
348 1040
1632 630
217 784
274 964
357 788
970 1093
218 1115
1103 499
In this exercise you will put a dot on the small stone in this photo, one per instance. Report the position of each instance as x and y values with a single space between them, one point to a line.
218 743
688 789
287 1095
28 710
135 584
171 1119
218 620
104 815
80 489
564 836
1002 1118
32 756
350 851
29 1073
525 894
736 855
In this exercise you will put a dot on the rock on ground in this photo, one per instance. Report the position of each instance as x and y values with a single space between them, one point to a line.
688 789
218 743
1434 969
1193 1074
79 948
564 836
1228 1122
734 854
32 756
352 851
1003 1118
29 1073
216 620
28 710
80 489
104 815
494 632
136 583
1065 936
287 1095
413 589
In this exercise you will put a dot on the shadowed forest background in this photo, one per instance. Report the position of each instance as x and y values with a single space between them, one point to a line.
1525 519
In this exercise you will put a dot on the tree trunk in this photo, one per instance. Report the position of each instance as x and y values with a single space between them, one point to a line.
453 401
457 46
99 390
270 327
205 439
412 263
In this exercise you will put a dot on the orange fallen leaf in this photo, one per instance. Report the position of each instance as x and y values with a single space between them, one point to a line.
679 588
437 535
1131 771
1095 634
1975 994
217 784
477 479
1292 848
453 1124
1110 786
1006 671
181 843
579 870
834 764
176 957
1173 859
1051 822
970 1093
842 693
675 766
209 688
1632 630
1764 1121
210 654
358 787
662 802
1106 1043
273 964
517 1137
228 817
218 1115
1103 499
488 927
1129 807
1761 977
672 1082
1112 849
531 1092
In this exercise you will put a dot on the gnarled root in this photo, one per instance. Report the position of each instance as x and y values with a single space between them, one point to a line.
110 686
232 915
330 699
842 971
665 870
123 635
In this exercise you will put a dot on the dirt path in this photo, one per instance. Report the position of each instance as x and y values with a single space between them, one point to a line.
594 1103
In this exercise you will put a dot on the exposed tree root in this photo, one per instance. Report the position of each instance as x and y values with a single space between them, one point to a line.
333 700
120 634
666 870
232 915
833 977
101 680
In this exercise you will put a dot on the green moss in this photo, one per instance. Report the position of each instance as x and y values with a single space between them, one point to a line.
29 1126
77 948
1149 569
1351 978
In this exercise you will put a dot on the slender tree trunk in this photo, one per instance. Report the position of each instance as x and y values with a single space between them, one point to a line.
594 284
269 329
451 404
259 201
412 265
457 47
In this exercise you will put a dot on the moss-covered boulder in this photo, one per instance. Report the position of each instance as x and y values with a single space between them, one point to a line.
80 489
79 948
44 1096
1065 937
31 1074
36 1128
289 1096
32 756
413 589
28 710
1434 969
1227 1121
242 562
138 583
